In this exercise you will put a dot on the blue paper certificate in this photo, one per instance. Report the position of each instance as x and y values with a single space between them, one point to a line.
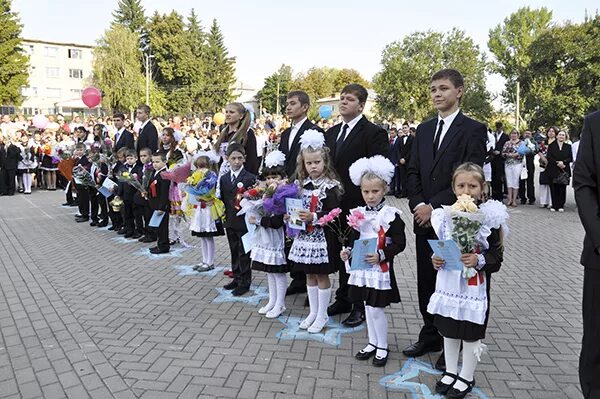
449 251
361 249
293 206
157 217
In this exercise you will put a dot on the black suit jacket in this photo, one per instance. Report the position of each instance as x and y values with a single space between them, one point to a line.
586 182
429 179
500 141
291 155
228 195
126 140
160 200
364 140
126 190
13 156
554 155
148 138
404 150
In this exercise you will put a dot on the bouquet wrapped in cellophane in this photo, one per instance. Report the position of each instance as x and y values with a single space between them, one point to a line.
132 180
83 177
202 184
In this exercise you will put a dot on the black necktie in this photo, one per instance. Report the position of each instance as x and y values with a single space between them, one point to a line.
340 141
436 140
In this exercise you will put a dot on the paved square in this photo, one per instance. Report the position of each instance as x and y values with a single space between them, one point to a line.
84 316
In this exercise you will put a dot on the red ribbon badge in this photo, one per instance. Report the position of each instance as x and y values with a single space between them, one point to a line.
314 201
479 278
153 189
385 267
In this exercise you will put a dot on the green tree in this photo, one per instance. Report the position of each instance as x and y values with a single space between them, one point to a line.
343 77
130 13
117 72
268 94
509 43
219 73
402 85
562 83
196 39
13 61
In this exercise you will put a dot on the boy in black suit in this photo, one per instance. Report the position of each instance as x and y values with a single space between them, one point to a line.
115 217
140 199
158 199
2 159
98 201
235 226
13 156
148 136
123 137
83 193
132 221
440 145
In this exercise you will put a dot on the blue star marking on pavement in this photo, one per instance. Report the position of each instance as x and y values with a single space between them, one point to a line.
260 293
401 380
105 228
188 270
330 335
173 253
123 240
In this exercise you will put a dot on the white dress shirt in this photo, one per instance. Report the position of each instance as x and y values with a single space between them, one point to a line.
118 135
447 123
351 125
294 132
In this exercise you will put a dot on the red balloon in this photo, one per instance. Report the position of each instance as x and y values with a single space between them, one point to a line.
91 97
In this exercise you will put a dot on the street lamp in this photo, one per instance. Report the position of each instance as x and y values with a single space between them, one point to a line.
147 57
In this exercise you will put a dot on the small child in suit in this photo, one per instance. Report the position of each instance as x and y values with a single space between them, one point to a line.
231 183
83 194
133 221
140 199
158 199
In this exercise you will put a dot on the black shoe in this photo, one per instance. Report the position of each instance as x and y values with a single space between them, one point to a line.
362 355
532 202
230 286
94 223
103 223
237 291
69 204
113 227
157 250
129 234
420 348
81 219
338 307
294 289
146 239
523 202
440 364
454 393
136 236
122 231
442 388
381 361
355 319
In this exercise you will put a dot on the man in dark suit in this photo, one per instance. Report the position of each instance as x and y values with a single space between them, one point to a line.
349 141
440 145
123 137
297 106
148 136
393 137
404 149
586 182
498 163
158 200
11 160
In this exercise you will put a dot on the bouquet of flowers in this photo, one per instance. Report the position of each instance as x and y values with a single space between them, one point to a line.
202 184
179 173
132 180
275 203
254 193
147 174
332 220
464 219
64 154
83 177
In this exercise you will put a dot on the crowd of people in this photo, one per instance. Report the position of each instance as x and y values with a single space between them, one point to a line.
294 197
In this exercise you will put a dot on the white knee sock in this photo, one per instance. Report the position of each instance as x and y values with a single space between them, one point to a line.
27 182
313 302
381 327
272 293
210 250
451 352
372 344
324 296
203 248
472 351
281 283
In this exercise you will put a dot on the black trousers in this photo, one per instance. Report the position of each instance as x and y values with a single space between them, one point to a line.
162 233
69 192
98 202
403 177
589 359
527 186
240 260
128 220
83 200
497 179
150 232
9 181
558 193
426 276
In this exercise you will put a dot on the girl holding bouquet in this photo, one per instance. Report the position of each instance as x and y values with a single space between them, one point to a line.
27 165
50 160
268 249
460 303
206 220
377 286
320 193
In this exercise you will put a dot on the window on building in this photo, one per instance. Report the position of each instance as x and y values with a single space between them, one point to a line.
28 110
51 51
53 92
7 110
52 72
76 73
74 53
29 91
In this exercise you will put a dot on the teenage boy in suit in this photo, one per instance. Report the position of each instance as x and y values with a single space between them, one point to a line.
158 199
235 227
123 138
354 138
83 193
404 149
440 145
148 136
132 221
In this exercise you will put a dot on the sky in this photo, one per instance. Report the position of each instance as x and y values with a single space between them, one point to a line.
263 34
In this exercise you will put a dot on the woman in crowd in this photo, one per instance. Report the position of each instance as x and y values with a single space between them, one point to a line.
559 159
545 180
512 166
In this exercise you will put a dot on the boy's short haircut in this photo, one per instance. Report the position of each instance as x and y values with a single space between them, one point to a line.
131 153
80 146
302 96
233 147
119 115
145 108
122 152
358 90
162 155
452 75
146 150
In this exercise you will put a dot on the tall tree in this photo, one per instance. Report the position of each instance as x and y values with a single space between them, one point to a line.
117 72
509 42
219 74
130 13
562 83
196 39
343 77
13 61
280 83
402 85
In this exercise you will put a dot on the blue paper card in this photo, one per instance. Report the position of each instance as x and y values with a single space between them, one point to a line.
104 189
293 206
157 217
248 241
449 251
361 249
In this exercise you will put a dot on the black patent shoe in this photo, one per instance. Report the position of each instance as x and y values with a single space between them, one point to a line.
381 361
364 355
442 388
454 393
